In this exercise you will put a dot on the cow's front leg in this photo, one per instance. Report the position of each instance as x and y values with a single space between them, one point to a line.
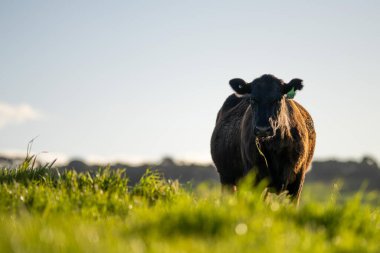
228 188
295 188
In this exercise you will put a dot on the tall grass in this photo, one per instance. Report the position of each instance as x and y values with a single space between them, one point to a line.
42 210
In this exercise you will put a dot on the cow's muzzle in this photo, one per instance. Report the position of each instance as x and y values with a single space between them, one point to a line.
263 131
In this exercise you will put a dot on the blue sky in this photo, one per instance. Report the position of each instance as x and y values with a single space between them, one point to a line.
123 80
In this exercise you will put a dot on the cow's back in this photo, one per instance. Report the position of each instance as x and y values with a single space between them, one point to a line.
225 140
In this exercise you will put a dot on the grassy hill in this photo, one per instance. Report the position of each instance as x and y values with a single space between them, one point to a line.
43 210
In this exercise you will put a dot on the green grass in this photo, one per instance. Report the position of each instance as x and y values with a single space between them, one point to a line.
44 211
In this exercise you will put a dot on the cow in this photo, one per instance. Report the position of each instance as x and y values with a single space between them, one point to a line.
260 128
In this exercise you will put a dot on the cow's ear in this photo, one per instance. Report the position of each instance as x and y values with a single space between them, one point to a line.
240 86
289 89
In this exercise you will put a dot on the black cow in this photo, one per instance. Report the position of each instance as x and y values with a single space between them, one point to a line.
262 129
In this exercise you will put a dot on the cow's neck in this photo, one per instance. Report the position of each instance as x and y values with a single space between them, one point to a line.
284 124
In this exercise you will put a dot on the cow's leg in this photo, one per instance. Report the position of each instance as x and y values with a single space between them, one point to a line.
228 188
228 183
295 188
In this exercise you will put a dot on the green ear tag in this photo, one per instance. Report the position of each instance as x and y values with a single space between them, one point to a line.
291 94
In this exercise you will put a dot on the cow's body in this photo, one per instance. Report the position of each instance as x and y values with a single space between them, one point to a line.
288 151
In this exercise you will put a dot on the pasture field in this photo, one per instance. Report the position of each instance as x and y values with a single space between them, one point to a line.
44 211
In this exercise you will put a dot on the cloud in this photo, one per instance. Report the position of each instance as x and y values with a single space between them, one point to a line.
17 114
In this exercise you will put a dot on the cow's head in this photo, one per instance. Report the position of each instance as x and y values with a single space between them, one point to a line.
267 95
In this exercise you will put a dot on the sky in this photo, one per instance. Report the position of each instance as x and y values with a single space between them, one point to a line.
138 80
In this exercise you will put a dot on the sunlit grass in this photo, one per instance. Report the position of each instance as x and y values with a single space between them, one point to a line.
42 210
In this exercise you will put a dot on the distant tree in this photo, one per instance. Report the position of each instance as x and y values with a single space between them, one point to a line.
76 164
368 160
167 161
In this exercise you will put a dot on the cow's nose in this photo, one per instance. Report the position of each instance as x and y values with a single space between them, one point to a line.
262 131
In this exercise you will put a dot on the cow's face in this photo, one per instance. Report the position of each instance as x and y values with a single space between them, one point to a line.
267 95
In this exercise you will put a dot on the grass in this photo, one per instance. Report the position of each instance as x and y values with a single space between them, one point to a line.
44 211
